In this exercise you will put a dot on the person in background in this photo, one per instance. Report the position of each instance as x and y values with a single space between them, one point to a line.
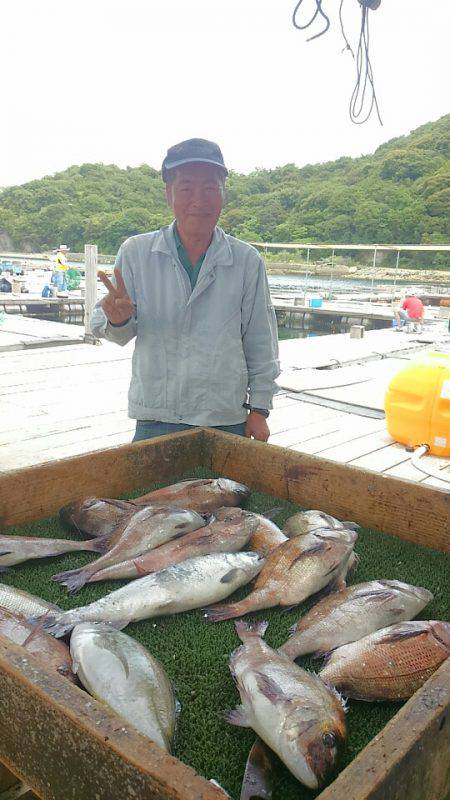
60 266
197 303
411 310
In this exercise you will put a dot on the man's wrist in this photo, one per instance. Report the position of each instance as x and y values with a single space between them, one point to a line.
264 412
119 324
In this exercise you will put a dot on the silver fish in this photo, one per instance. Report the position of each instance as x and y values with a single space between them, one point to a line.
121 673
146 529
20 602
346 616
306 521
292 710
16 549
192 584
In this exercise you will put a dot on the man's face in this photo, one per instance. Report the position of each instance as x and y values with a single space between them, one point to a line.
196 196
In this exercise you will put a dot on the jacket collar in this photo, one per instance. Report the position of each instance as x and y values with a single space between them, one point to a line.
218 252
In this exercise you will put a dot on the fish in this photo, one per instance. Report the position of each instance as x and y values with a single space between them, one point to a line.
120 672
225 536
96 516
14 792
202 495
21 602
34 640
17 549
267 535
146 529
297 715
347 616
306 521
390 664
191 584
297 569
257 783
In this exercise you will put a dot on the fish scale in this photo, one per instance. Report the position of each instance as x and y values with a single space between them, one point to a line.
390 664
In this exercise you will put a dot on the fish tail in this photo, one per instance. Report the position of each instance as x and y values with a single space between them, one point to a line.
73 579
249 630
219 612
98 545
51 624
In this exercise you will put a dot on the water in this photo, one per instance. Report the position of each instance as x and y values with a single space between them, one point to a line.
315 283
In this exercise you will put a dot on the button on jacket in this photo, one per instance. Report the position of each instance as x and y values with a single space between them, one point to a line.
201 353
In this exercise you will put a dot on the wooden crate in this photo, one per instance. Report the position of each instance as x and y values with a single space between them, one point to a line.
52 732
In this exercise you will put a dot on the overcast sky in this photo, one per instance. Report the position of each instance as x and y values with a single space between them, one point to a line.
118 81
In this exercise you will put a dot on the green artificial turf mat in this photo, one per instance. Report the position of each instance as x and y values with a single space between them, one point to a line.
195 653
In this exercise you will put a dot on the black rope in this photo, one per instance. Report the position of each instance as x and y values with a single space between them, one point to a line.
364 74
319 10
347 45
363 99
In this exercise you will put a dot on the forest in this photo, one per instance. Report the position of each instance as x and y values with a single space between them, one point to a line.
398 194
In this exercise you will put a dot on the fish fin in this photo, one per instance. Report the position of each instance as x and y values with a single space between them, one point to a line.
100 544
5 553
220 612
284 609
75 668
38 626
404 631
238 717
257 783
120 624
353 526
319 547
73 579
269 688
209 518
229 576
141 570
249 630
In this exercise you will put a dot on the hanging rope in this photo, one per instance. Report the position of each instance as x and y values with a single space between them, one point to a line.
319 10
363 99
364 95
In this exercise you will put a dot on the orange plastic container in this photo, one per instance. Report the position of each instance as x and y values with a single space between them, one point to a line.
417 403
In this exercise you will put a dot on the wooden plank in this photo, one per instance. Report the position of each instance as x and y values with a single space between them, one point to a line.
328 424
383 459
355 429
350 450
411 511
69 745
40 491
410 758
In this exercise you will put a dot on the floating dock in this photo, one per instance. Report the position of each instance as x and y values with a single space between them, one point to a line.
63 401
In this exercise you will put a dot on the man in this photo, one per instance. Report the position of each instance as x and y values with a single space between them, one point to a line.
198 303
60 266
411 310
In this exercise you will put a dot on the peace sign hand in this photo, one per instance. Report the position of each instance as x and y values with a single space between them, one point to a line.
117 304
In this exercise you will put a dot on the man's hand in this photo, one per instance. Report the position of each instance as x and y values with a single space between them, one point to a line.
117 304
256 427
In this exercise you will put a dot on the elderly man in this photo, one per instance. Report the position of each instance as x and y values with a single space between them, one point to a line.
411 311
198 303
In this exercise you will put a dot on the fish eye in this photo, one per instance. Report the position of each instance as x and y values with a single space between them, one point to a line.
329 739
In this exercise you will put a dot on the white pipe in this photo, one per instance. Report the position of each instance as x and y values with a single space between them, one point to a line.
418 453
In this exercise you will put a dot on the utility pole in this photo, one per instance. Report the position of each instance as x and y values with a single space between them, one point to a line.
90 276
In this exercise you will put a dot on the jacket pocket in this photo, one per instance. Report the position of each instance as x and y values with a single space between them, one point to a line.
148 386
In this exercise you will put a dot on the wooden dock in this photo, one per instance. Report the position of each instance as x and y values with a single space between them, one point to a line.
63 401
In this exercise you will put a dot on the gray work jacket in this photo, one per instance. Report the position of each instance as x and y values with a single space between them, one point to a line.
199 355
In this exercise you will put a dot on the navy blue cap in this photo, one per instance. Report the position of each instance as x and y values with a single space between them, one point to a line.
190 151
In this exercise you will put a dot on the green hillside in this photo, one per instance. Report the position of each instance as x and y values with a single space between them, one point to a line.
400 194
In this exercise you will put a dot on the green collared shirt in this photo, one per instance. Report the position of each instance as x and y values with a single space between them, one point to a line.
191 269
